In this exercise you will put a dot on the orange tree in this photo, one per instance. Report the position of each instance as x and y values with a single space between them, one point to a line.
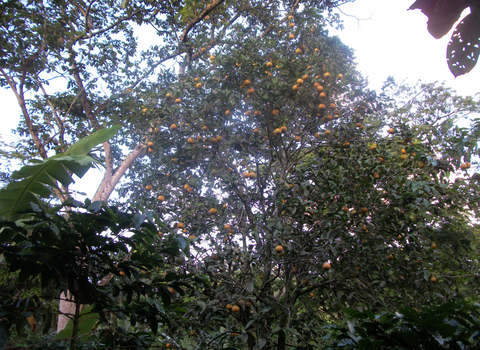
301 192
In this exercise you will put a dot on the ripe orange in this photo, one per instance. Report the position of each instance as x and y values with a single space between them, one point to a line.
291 36
433 246
191 140
178 100
340 76
299 81
235 308
278 131
180 225
122 273
291 25
421 164
161 198
464 166
321 106
326 75
317 135
150 150
229 306
171 290
322 95
148 187
250 91
213 211
191 236
247 82
328 132
319 88
390 256
275 111
219 138
227 227
317 50
327 266
279 249
227 112
252 175
269 64
256 131
391 131
257 113
150 144
248 113
433 279
345 208
376 175
174 126
364 210
295 87
346 144
298 138
403 151
204 128
333 105
283 128
298 51
305 77
169 95
198 86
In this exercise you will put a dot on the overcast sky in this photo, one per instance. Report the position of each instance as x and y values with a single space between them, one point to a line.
390 40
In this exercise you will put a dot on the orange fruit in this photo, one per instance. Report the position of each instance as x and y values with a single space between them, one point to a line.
391 131
283 128
305 77
319 87
198 86
298 138
256 131
390 256
326 75
174 126
250 91
364 210
204 128
291 25
192 237
227 227
299 81
298 51
252 175
275 111
229 306
235 308
291 36
191 140
403 151
150 144
148 187
161 198
169 95
321 106
269 64
433 279
322 95
433 246
295 87
333 105
247 82
340 76
346 144
421 164
171 290
213 211
122 273
178 100
279 249
227 112
150 150
327 266
257 113
278 131
328 132
180 225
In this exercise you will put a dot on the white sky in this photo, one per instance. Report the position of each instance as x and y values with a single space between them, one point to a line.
387 39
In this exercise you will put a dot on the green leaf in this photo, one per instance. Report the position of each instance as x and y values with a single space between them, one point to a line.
86 144
3 336
87 321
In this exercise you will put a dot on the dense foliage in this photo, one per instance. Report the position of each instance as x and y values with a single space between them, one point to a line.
277 189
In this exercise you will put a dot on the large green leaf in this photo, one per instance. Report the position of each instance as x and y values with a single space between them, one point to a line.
85 145
86 323
35 181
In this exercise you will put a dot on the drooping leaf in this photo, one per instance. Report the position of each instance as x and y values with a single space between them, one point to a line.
86 144
464 47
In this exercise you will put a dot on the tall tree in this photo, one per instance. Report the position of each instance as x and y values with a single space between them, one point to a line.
88 52
302 192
